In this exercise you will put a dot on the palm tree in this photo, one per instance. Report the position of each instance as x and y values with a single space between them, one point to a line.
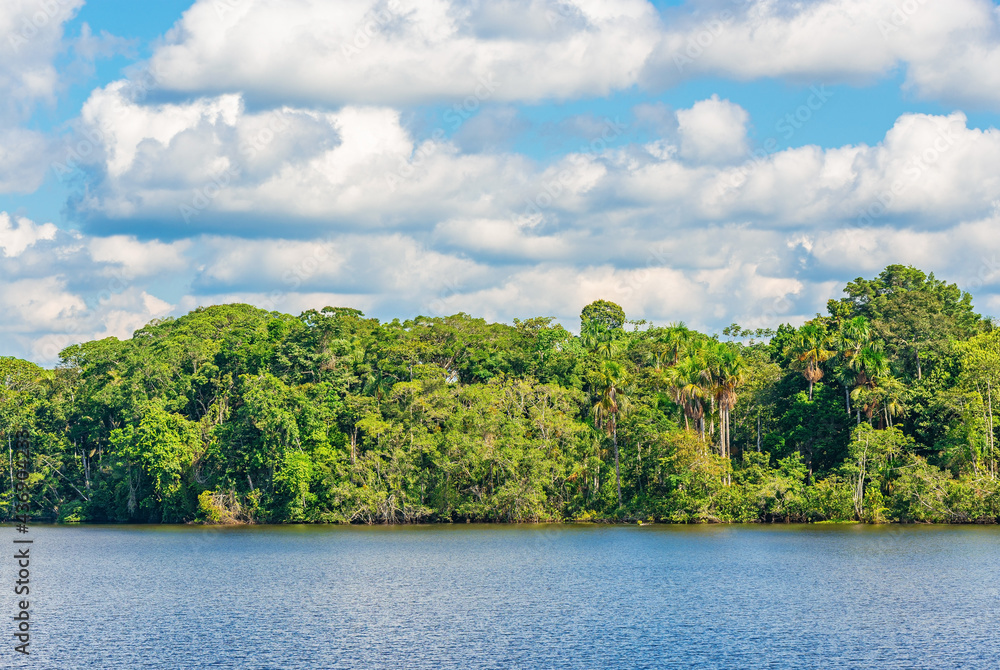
612 404
810 349
677 338
870 364
690 391
872 368
853 336
601 341
725 371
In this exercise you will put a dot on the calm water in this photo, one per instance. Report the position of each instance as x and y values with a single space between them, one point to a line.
512 597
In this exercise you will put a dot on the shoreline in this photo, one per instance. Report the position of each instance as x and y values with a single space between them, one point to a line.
458 524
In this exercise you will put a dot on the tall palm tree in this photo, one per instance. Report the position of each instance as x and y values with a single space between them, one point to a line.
690 391
677 338
612 404
853 336
872 368
870 364
810 349
601 341
726 371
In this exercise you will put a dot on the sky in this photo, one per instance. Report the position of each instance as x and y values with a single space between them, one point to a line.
708 162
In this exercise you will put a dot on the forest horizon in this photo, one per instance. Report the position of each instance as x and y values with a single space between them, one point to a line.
879 411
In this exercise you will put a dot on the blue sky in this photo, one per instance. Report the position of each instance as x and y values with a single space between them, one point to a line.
709 162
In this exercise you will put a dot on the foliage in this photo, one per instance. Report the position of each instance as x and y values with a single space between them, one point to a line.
884 410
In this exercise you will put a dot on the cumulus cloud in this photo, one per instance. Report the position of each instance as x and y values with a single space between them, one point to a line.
25 155
17 235
277 164
405 51
713 131
31 33
187 164
402 51
61 288
949 51
212 165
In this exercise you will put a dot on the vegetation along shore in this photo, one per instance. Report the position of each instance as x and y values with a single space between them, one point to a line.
882 410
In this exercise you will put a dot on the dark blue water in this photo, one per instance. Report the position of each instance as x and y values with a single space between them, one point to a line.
511 597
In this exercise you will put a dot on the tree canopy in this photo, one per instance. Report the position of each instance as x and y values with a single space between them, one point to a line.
882 410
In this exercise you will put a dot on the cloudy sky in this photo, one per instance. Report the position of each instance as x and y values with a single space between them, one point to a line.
705 161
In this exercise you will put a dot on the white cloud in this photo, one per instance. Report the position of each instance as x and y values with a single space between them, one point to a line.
24 157
139 259
212 165
182 163
61 288
404 51
290 177
713 131
16 236
950 50
31 33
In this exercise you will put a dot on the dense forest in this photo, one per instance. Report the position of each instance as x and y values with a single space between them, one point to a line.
882 410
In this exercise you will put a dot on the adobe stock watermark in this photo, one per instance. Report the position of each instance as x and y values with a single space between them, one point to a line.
988 271
786 127
913 171
205 195
552 188
707 34
21 469
702 40
223 7
657 257
451 289
366 32
91 138
899 17
48 11
304 269
562 11
455 116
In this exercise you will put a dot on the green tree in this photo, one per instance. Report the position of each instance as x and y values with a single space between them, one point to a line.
811 348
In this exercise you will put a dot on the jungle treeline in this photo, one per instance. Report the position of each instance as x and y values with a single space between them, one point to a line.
882 410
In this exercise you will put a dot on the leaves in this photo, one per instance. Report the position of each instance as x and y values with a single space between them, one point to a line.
884 410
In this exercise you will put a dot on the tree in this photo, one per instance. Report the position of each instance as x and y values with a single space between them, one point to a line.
980 376
604 314
726 370
233 414
810 349
913 312
689 390
612 404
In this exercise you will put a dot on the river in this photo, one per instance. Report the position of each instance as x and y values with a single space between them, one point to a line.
532 596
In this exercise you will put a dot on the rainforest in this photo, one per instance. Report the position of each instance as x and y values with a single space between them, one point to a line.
881 410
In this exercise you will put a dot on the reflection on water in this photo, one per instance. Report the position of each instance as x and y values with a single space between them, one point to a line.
515 597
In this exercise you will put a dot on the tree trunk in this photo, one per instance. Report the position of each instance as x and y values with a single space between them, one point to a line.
859 490
638 467
847 400
758 432
993 463
10 453
618 478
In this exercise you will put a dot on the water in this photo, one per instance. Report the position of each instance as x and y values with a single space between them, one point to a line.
511 597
